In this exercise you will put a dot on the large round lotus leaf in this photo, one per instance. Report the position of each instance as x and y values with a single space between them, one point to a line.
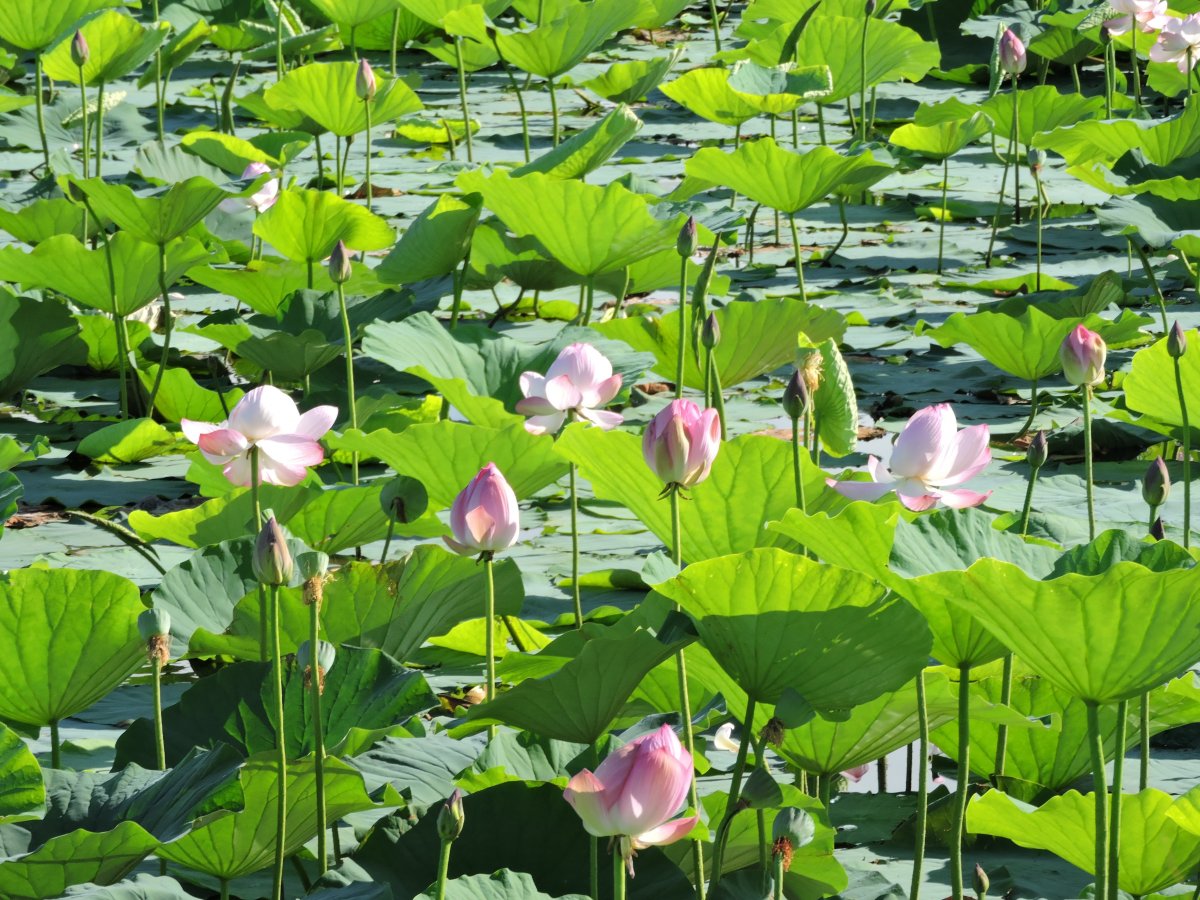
780 622
354 12
1156 850
1101 638
556 47
940 140
33 24
118 43
707 93
159 218
67 638
435 243
325 92
1150 386
74 858
306 225
22 791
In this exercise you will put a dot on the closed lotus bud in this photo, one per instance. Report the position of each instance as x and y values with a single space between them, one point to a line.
404 499
686 243
1037 160
339 264
313 566
1012 53
681 442
80 51
451 818
1157 531
364 81
710 334
326 656
1038 452
1156 485
981 882
1082 355
272 560
154 626
872 5
795 396
1176 342
484 517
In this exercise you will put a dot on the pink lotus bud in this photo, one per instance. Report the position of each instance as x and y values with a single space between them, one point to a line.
1012 53
485 518
681 442
635 792
1082 356
80 51
339 264
364 81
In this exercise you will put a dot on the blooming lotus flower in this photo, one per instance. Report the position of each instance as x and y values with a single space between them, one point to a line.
1179 43
1150 15
579 381
484 516
1082 354
857 773
681 442
268 419
929 455
1012 53
634 794
262 199
724 739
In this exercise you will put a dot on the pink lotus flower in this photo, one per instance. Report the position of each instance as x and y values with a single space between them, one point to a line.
681 442
268 419
1012 53
929 455
484 517
857 773
364 81
1150 15
262 199
1082 354
579 381
634 794
1179 43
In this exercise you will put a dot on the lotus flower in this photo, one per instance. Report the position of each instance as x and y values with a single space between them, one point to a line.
267 419
579 381
724 739
929 455
856 774
1179 43
262 199
1150 15
1082 354
364 81
681 442
1012 53
484 516
635 792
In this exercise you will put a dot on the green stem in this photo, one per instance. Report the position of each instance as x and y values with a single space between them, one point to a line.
777 880
1028 508
460 278
1005 699
735 791
797 478
395 38
1016 144
160 750
280 745
1087 459
348 337
589 293
489 615
1114 846
443 869
575 591
683 308
862 87
387 541
55 746
278 40
708 378
1149 270
1144 742
367 105
1187 456
718 395
987 258
167 323
122 362
942 217
99 128
314 634
41 112
263 629
1037 179
1100 786
337 170
618 873
1033 408
87 150
799 258
462 96
716 24
553 111
1151 520
224 889
520 100
922 786
962 790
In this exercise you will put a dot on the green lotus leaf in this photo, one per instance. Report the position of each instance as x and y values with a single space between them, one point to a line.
266 286
1105 141
756 338
1067 38
376 34
707 93
305 225
1041 109
290 357
233 154
139 887
941 140
776 90
778 622
435 11
609 227
33 25
501 885
1155 850
1150 386
589 149
835 405
558 46
35 337
123 443
10 101
118 42
476 55
325 93
495 255
353 13
67 638
43 219
99 333
435 243
228 844
22 792
76 858
630 82
1157 220
180 397
175 52
776 177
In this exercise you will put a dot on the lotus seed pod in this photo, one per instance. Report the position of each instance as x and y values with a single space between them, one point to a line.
794 828
80 51
451 818
1037 160
326 655
1176 342
710 334
1156 485
795 396
404 498
686 243
272 560
312 564
773 732
339 264
1038 452
154 626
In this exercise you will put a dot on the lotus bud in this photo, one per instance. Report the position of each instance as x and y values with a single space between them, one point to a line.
404 499
154 625
451 818
681 443
686 243
364 81
710 334
872 5
795 397
1176 342
981 882
1082 355
1038 451
1156 485
1037 160
313 566
326 656
484 517
272 559
339 264
1157 531
80 51
1012 53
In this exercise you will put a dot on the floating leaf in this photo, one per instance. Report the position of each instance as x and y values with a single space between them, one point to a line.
126 442
75 858
630 82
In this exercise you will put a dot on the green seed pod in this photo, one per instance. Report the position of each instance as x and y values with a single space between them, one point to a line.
404 498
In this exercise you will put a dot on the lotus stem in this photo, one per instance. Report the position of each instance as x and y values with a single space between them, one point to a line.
1187 456
1033 408
618 871
280 745
1087 459
1144 742
987 258
735 790
801 503
881 771
314 633
224 889
942 217
1005 699
41 113
1134 64
99 128
279 41
1016 145
962 789
167 323
922 786
122 362
460 280
575 592
708 378
264 635
1149 270
395 38
462 95
227 125
1037 180
55 746
512 81
87 150
1028 507
828 260
589 292
777 881
160 751
799 257
1100 786
716 24
354 42
862 87
337 171
683 319
490 634
718 394
1109 81
553 111
443 869
1114 844
367 106
348 337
